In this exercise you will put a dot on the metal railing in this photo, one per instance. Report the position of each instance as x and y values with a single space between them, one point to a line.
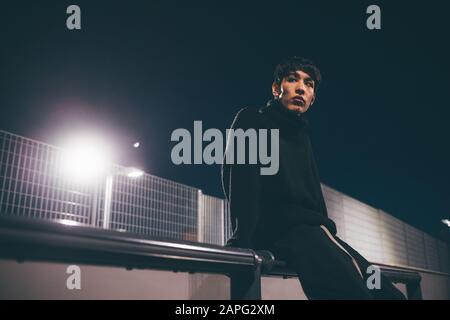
28 240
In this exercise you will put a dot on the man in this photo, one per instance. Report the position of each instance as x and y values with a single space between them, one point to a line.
286 213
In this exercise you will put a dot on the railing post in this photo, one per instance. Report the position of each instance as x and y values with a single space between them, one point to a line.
94 206
200 217
246 285
222 223
108 201
413 290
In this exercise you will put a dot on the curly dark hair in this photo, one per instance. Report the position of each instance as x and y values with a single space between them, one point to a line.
294 64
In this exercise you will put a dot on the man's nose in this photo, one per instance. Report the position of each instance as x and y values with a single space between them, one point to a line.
300 89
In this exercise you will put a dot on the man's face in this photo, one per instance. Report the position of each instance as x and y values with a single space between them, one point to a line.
296 91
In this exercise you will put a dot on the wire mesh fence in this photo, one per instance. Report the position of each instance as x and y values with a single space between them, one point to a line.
31 184
34 184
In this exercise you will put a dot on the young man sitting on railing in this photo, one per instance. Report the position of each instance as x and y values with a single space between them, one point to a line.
285 212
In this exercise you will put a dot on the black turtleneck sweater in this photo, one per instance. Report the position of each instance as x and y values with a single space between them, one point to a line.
264 207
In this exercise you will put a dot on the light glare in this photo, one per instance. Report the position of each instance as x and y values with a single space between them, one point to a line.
68 222
135 173
85 159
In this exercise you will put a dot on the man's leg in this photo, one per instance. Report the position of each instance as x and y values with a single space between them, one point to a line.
325 271
387 290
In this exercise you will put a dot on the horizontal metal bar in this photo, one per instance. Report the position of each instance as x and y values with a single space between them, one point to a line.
29 239
273 267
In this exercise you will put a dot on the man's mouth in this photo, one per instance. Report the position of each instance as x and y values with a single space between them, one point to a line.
299 101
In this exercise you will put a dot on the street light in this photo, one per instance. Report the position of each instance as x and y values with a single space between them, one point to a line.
87 160
134 172
446 222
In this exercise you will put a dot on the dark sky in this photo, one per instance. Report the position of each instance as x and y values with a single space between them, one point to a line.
137 70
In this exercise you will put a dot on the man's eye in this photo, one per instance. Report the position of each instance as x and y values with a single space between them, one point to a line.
292 79
310 84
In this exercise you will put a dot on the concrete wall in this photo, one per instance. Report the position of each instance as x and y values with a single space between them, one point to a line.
382 238
43 280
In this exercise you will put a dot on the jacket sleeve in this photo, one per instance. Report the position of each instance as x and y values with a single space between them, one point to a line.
242 185
331 226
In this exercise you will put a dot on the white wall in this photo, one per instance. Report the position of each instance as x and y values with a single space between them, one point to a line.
43 280
382 238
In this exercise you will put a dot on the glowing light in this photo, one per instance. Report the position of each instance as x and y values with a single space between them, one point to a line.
69 222
136 144
134 173
85 159
446 222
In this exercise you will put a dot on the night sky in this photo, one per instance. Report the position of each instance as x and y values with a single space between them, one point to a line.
137 70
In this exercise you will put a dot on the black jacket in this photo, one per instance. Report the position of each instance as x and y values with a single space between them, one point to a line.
264 207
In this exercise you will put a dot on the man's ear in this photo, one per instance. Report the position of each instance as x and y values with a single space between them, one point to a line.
276 92
312 100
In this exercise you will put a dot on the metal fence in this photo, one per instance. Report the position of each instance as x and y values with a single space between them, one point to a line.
150 205
33 185
211 220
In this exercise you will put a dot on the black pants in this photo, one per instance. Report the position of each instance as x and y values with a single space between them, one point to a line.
326 271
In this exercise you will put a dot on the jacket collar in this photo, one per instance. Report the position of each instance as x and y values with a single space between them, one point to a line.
284 118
